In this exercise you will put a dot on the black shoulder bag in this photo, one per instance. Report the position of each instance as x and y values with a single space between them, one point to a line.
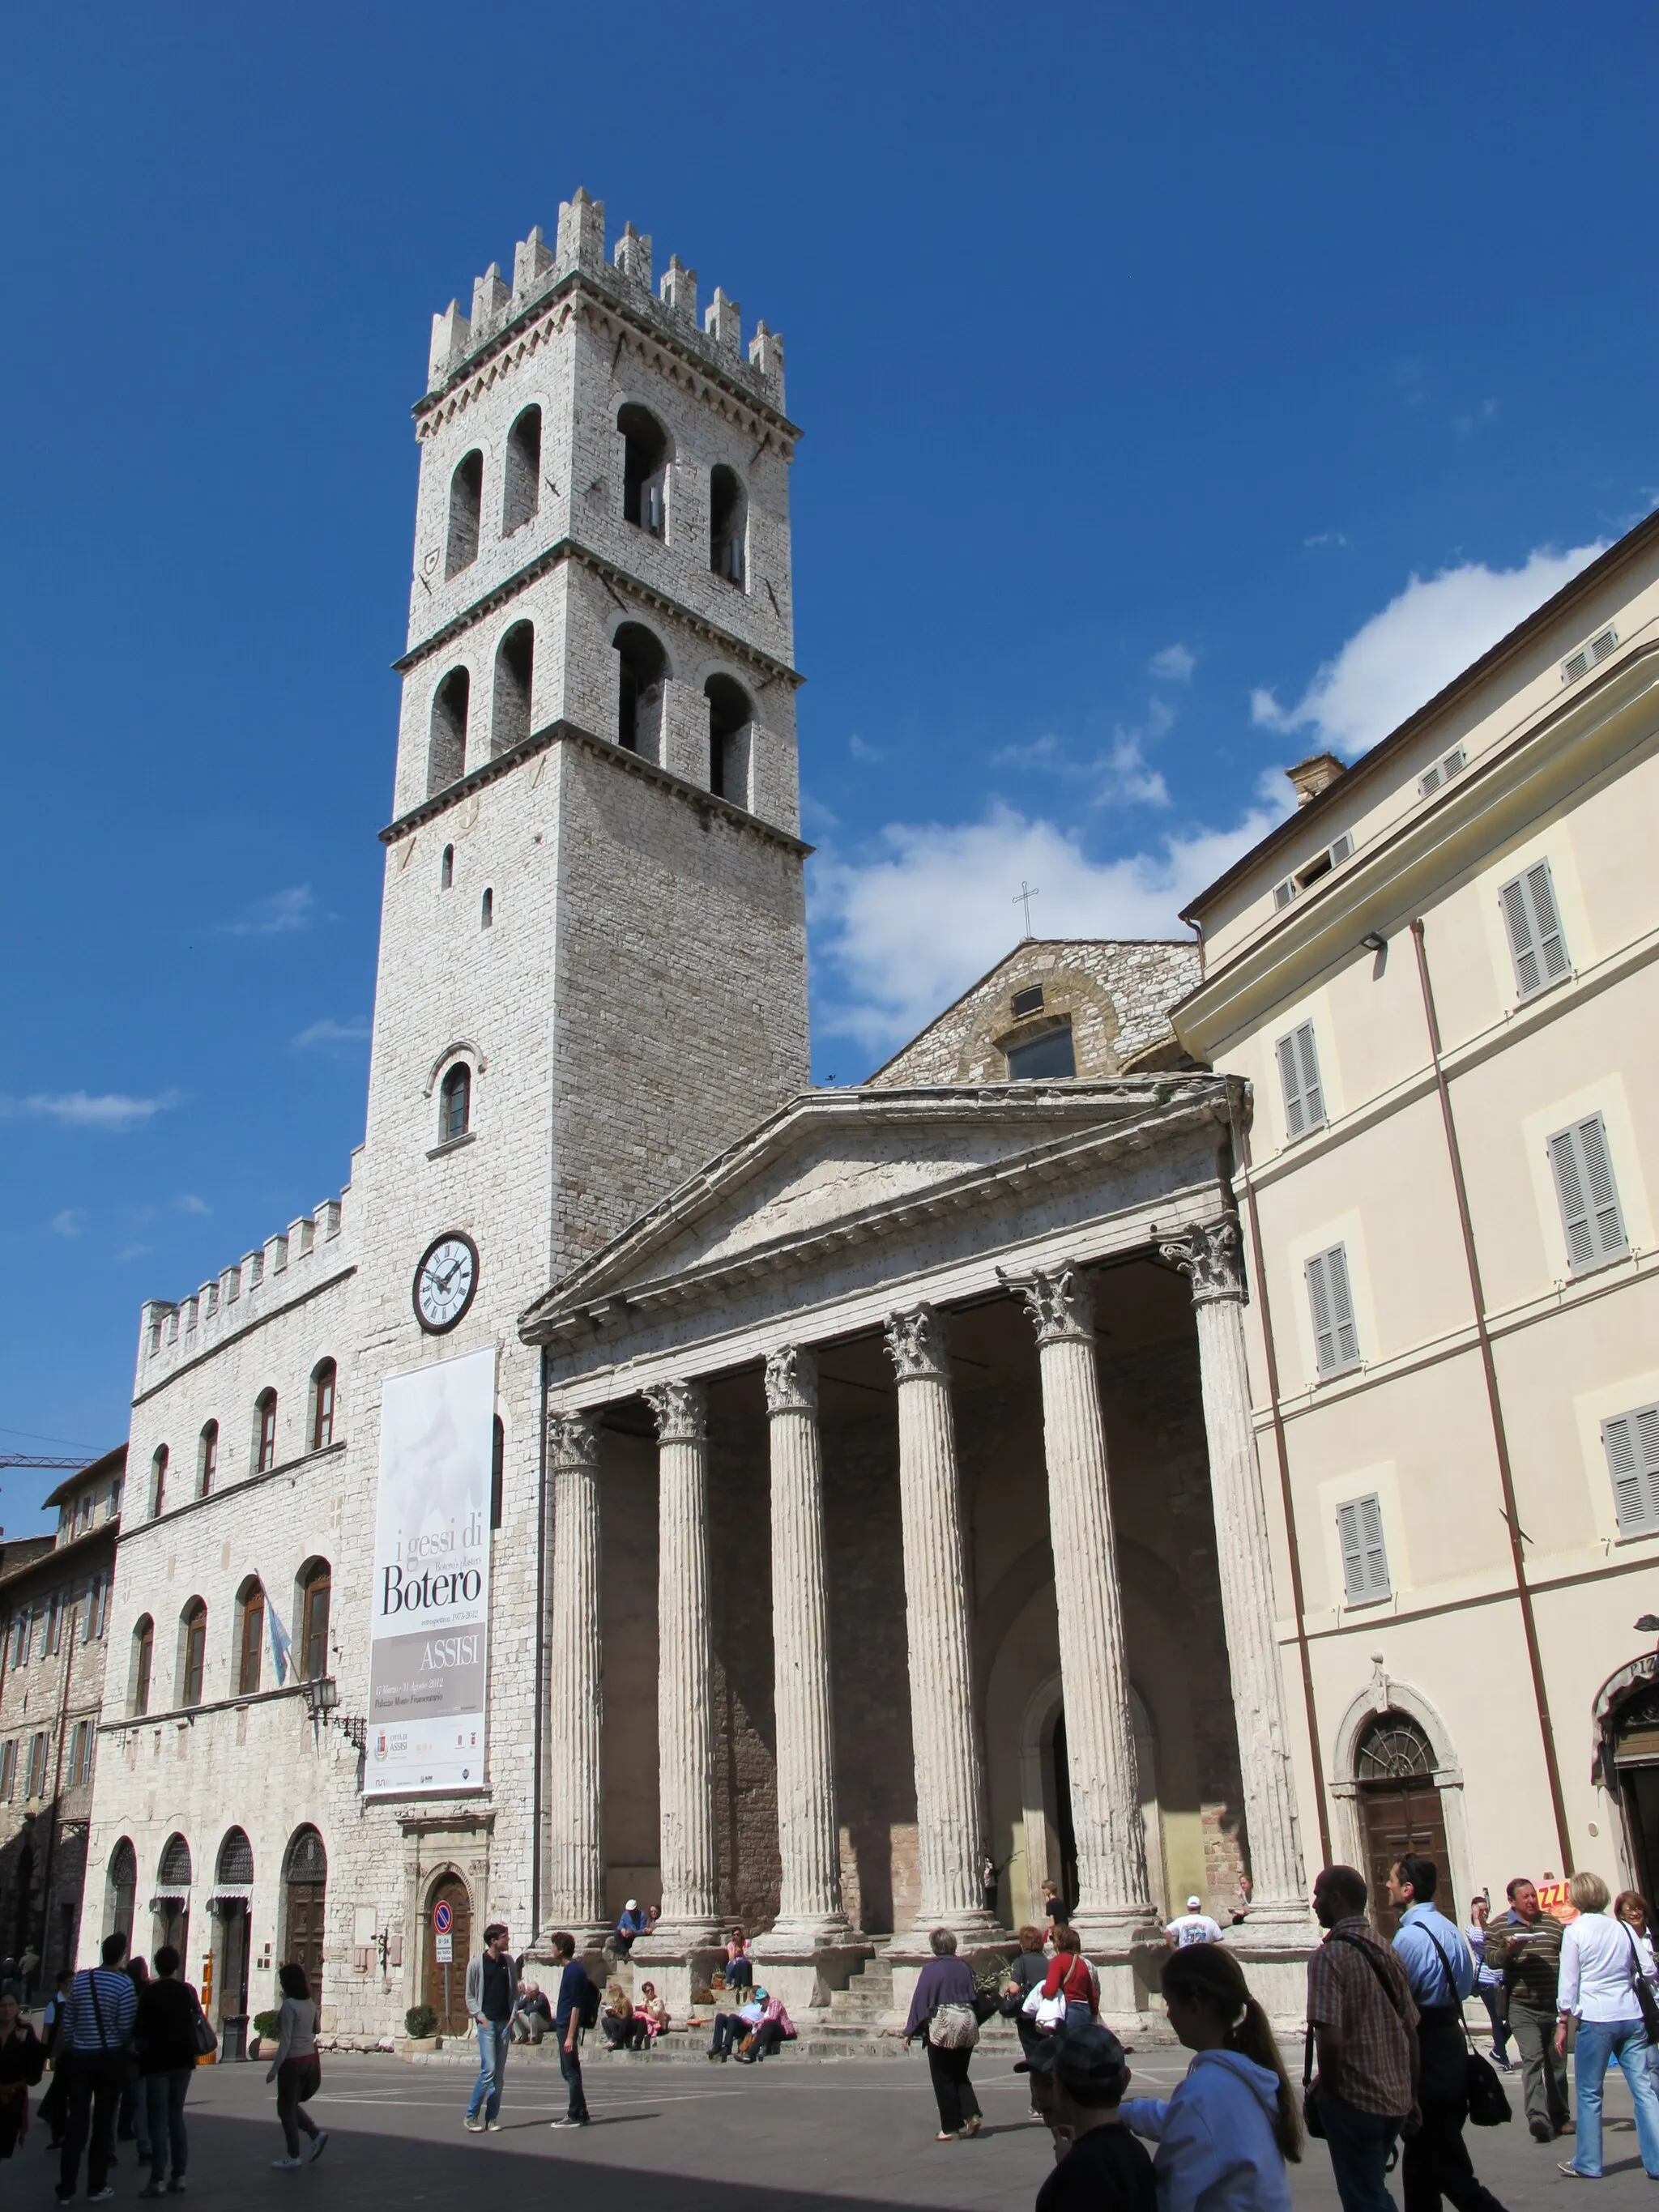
1644 1997
1489 2104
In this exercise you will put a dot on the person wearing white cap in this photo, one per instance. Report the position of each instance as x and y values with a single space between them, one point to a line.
1194 1925
631 1923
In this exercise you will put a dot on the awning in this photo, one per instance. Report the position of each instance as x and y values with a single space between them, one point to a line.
231 1893
169 1897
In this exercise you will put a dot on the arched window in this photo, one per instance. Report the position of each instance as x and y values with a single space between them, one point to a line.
192 1652
446 868
728 525
121 1889
522 493
234 1868
250 1636
305 1888
645 468
311 1610
144 1655
445 756
323 1378
497 1471
642 671
466 505
731 719
174 1870
455 1103
265 1431
158 1480
1399 1807
487 909
515 666
207 1460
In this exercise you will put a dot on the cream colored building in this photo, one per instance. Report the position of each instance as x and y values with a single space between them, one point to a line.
1437 979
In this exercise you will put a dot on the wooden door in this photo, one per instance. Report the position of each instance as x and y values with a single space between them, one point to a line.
306 1901
445 1985
1399 1817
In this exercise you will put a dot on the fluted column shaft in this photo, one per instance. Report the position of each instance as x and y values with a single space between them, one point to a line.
1114 1907
944 1719
1209 1255
574 1800
808 1904
685 1698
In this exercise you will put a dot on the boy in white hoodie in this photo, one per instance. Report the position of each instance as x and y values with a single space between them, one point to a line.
1224 2135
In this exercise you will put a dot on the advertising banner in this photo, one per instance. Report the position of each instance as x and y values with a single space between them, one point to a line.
428 1650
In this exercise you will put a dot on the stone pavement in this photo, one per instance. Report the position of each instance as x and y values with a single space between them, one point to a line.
779 2138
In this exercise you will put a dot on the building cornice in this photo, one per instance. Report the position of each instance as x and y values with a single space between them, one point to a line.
78 1551
235 1335
173 1514
562 733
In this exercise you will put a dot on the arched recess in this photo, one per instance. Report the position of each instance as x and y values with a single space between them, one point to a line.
231 1904
464 1047
445 754
731 739
465 507
1355 1834
642 674
170 1907
121 1889
305 1900
646 453
443 1983
515 669
521 486
1624 1717
1046 1792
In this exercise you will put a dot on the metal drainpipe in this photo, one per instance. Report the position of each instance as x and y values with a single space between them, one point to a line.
1495 1406
541 1666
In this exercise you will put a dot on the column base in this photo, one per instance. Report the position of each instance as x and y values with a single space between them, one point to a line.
800 1939
1117 1931
807 1976
589 1935
1273 1943
678 1939
974 1929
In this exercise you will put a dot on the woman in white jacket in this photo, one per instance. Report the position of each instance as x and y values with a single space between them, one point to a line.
1224 2135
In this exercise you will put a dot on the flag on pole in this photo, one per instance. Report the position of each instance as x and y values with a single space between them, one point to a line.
280 1643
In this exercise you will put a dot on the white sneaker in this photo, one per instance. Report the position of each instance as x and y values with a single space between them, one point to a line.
319 2144
284 2165
473 2127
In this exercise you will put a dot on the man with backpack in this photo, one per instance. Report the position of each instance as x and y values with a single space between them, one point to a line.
1440 1969
1363 2026
577 2008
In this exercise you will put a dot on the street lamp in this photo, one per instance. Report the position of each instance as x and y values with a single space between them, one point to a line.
321 1693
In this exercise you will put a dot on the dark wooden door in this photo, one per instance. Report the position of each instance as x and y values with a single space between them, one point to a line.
446 1983
1399 1817
306 1902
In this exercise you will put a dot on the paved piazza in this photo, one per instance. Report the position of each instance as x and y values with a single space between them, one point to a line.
695 2137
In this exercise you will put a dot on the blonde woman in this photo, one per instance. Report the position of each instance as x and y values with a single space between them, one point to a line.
1600 1973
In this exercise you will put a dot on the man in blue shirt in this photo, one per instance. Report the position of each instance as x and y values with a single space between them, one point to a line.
574 1986
1440 1967
97 2030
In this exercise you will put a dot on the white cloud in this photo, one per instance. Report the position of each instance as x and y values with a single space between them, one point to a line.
187 1202
1118 775
71 1221
1175 664
1327 538
133 1251
900 935
1399 658
328 1032
862 750
77 1109
273 916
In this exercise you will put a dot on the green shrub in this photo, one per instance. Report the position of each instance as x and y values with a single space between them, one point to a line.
420 2021
267 2026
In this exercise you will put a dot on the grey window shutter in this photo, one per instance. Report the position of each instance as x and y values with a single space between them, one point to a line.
1312 1096
1298 1071
1546 920
1632 1444
1336 1338
1591 1218
1365 1559
1533 920
1319 1300
1295 1120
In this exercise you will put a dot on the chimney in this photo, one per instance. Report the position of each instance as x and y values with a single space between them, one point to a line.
1316 774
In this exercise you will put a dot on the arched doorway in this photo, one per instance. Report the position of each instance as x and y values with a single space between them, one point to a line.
1049 1834
1399 1807
233 1895
170 1907
304 1895
444 1979
121 1891
1632 1735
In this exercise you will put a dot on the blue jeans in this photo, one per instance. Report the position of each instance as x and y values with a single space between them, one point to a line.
1627 2040
1359 2144
164 2096
493 2036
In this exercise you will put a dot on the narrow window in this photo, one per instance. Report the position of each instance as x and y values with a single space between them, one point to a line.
1365 1559
207 1462
1299 1071
81 1761
1632 1444
97 1609
54 1635
514 667
8 1770
22 1637
315 1584
1336 1339
455 1103
487 909
264 1448
143 1655
322 1405
497 1472
158 1481
642 673
728 518
731 719
251 1642
1051 1055
446 758
446 868
466 505
1025 1003
1590 1214
521 493
39 1747
193 1653
1533 922
644 469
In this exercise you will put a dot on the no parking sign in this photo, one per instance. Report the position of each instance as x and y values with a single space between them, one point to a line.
442 1918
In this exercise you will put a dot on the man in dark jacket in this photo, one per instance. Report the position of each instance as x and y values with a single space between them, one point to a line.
568 2018
164 2037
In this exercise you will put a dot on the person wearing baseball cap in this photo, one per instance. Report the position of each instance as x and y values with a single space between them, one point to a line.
1078 2079
1194 1925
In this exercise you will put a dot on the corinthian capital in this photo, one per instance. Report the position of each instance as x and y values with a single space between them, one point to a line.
791 1381
1059 1302
681 1411
1209 1254
573 1443
918 1343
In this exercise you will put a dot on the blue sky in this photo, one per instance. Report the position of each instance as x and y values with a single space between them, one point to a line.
1184 388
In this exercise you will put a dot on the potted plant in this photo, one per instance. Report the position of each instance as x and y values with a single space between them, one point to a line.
267 2027
421 2026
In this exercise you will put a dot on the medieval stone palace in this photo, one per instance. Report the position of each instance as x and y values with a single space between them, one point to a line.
652 1477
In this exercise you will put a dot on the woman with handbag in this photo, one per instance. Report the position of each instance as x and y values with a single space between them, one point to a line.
296 2070
1603 1988
942 2012
165 2035
22 2062
1071 1979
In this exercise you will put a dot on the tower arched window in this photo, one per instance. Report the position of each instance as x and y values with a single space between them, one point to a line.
313 1594
731 717
455 1103
324 1377
644 469
265 1431
207 1460
445 755
487 909
521 495
446 868
143 1659
158 1480
466 505
728 525
515 665
192 1652
250 1634
642 676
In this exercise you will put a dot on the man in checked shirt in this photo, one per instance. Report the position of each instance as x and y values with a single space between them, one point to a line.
1364 2026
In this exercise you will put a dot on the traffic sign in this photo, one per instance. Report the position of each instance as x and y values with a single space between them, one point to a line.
442 1918
444 1948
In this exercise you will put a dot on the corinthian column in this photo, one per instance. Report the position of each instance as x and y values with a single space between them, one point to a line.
809 1902
685 1702
1115 1911
1209 1255
944 1722
575 1839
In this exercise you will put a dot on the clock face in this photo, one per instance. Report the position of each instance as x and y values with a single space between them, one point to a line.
445 1282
